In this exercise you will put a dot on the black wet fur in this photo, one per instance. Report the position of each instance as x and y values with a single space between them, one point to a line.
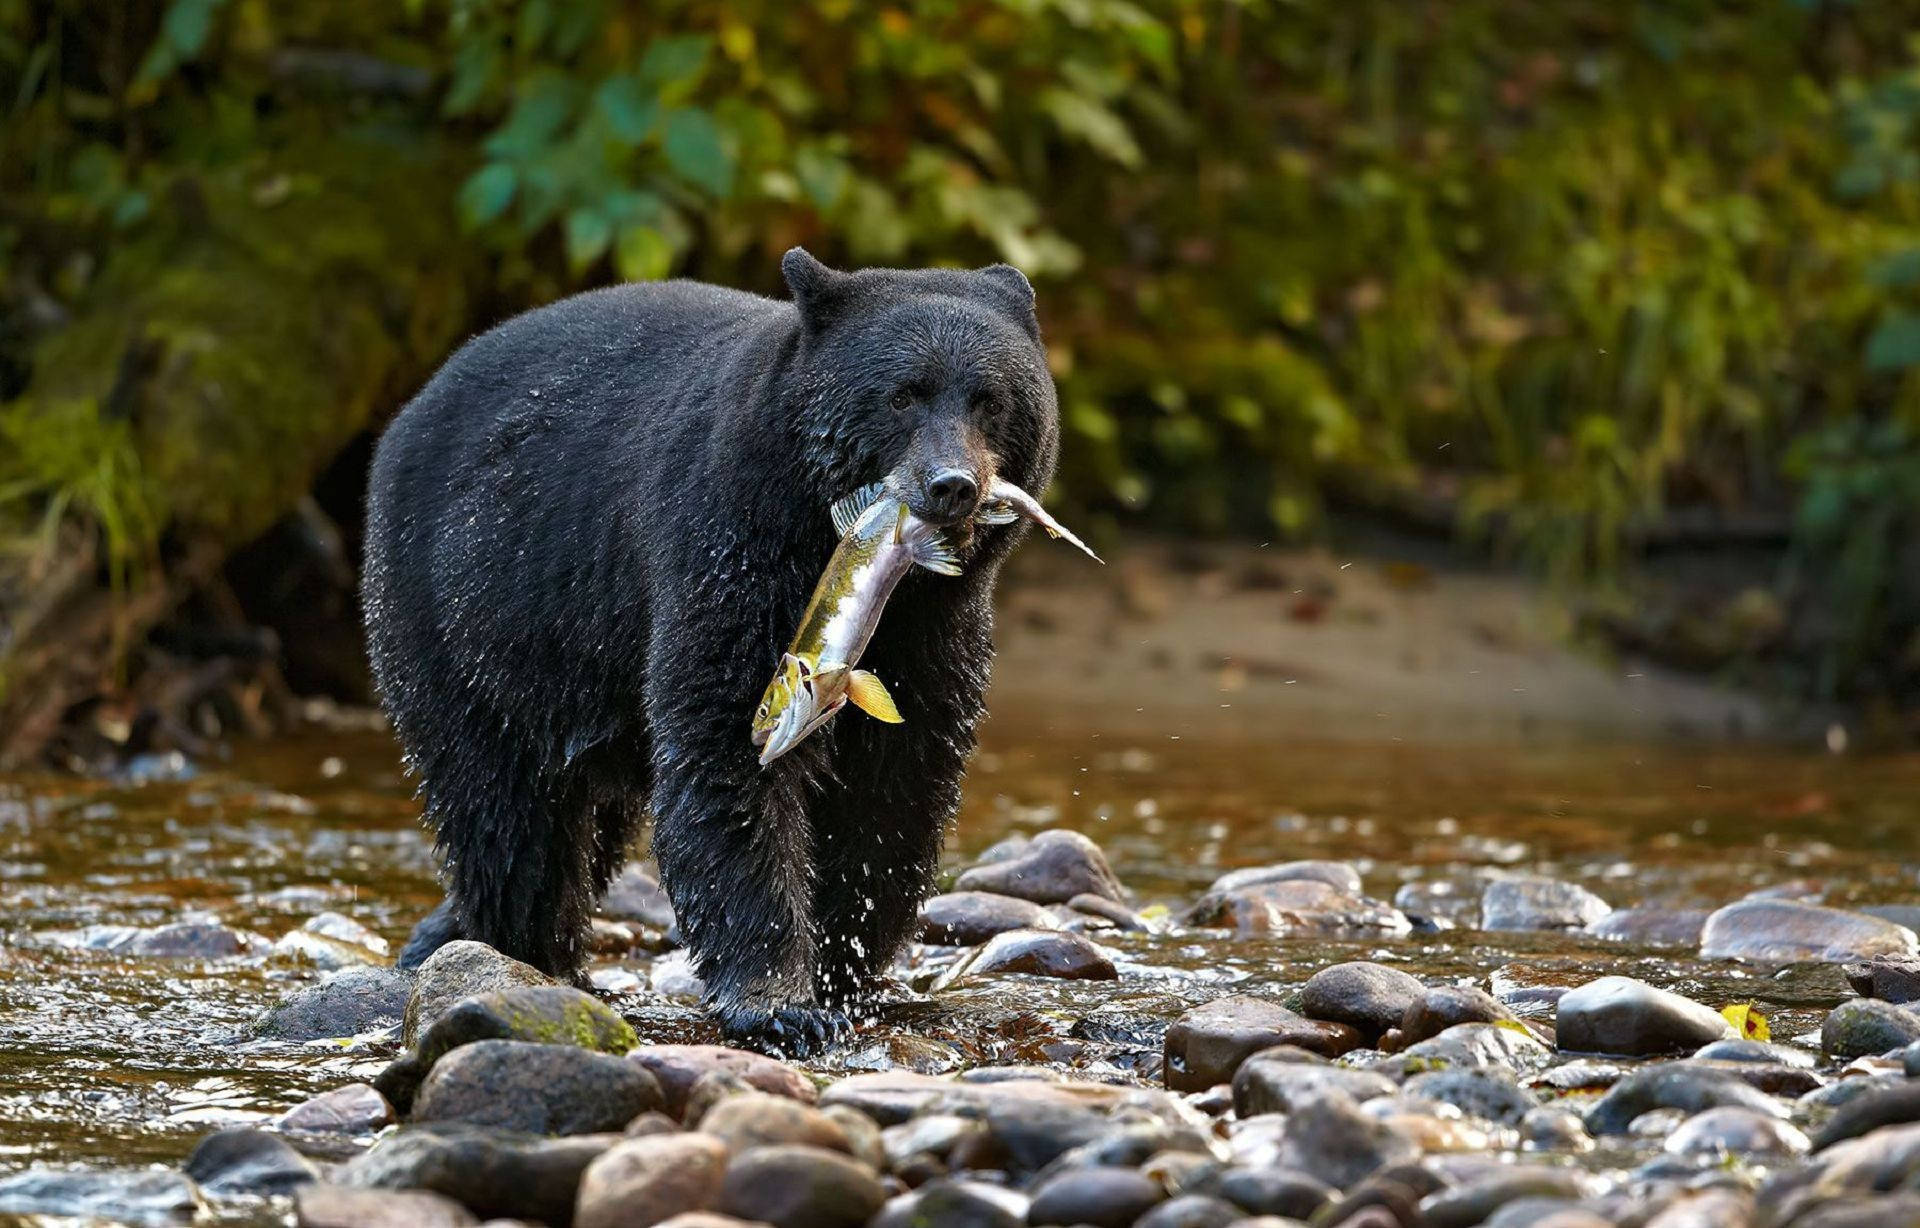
589 539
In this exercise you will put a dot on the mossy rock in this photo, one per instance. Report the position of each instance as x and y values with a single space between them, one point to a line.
541 1014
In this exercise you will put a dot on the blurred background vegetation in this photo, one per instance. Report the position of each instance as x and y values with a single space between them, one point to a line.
1606 287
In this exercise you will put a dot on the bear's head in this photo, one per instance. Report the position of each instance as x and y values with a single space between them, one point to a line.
936 374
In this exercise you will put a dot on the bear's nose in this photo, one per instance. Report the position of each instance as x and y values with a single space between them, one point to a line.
952 493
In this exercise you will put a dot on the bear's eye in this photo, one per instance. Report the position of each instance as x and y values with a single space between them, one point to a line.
987 405
901 399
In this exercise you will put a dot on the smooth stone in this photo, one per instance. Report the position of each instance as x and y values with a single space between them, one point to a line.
1552 1129
1900 914
341 928
862 1135
1673 1085
640 1182
138 1196
1052 868
1652 927
1207 1044
967 918
461 969
1888 1104
1368 996
535 1089
1049 953
1742 1049
340 1206
1099 908
1845 1091
490 1172
1534 903
351 1002
678 1067
757 1119
537 1014
1891 978
1623 1016
1441 902
801 1187
1865 1027
353 1110
317 951
946 1202
247 1161
1440 1007
1329 1138
192 940
1104 1197
1481 1044
1736 1131
1785 932
1266 1084
1769 1077
1191 1211
637 896
1296 907
1273 1192
1883 1160
1339 875
1475 1202
1487 1093
1032 1133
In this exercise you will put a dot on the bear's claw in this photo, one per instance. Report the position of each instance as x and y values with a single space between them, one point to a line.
784 1031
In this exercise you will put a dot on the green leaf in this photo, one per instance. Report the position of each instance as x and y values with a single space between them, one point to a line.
677 60
1084 118
544 104
1898 271
642 254
487 193
824 175
696 150
628 110
186 25
588 233
1896 343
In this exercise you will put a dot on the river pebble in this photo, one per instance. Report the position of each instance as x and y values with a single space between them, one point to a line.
1476 1201
678 1067
1620 1015
1786 931
1440 1007
757 1119
539 1014
461 969
352 1110
801 1187
247 1161
1049 953
1207 1044
137 1197
1652 927
1105 1197
1673 1085
339 1206
1367 996
641 1182
490 1172
1889 1103
1278 1084
1293 907
1533 903
1339 875
1736 1131
1191 1211
1890 978
1329 1138
1864 1027
350 1002
1488 1093
946 1202
1052 868
967 918
535 1088
1273 1191
1507 1045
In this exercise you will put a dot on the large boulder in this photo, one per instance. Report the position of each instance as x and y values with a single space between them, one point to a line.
461 969
535 1089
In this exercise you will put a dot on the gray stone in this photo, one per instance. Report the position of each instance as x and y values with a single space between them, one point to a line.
678 1067
1736 1131
640 1182
1534 903
340 1206
1104 1197
461 969
1368 996
1619 1015
801 1187
637 896
348 1003
1048 953
537 1014
353 1110
490 1172
1191 1211
966 918
1742 1049
756 1119
192 940
1785 932
247 1161
1054 867
1477 1201
1885 1159
1440 1007
946 1202
1488 1093
1890 978
1271 1191
1481 1044
1673 1085
1207 1044
1651 927
1339 875
1553 1129
1889 1104
1865 1027
1327 1137
138 1197
1296 907
535 1089
1270 1085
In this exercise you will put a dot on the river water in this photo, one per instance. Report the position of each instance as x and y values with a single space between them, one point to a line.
110 1059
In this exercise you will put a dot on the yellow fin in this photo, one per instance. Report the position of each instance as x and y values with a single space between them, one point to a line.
869 695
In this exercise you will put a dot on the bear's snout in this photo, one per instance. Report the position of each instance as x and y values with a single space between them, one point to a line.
951 495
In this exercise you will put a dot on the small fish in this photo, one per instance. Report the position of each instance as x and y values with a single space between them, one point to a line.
881 540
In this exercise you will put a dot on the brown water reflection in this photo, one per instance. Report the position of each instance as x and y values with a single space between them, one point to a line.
123 1061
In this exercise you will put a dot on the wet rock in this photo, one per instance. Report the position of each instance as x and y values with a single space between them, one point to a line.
801 1187
1533 903
1103 1197
1489 1093
678 1067
490 1172
461 969
1864 1027
1207 1044
340 1206
1673 1085
1619 1015
537 1014
1339 875
1441 903
1784 932
640 1182
1891 978
1328 1138
1652 927
1890 1104
1476 1201
1054 867
931 1134
1191 1211
966 918
1296 906
1367 996
637 896
1885 1159
862 1133
1481 1044
889 1098
192 940
1738 1132
348 1003
1032 1132
247 1161
1276 1084
1052 953
1277 1192
1102 909
136 1197
1440 1007
1741 1049
759 1120
1842 1092
1551 1129
1769 1077
353 1110
317 951
948 1203
535 1089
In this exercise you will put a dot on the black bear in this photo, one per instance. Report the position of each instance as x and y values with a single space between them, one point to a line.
589 538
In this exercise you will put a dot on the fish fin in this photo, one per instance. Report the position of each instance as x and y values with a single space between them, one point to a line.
1005 492
996 513
869 695
846 512
936 555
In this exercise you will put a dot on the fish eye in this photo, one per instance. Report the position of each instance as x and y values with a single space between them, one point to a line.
901 399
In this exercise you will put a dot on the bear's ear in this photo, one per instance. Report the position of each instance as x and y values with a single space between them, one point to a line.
817 290
1010 288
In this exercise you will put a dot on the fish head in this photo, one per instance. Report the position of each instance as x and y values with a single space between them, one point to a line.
798 701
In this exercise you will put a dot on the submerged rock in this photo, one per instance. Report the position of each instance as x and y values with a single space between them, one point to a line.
1052 868
1367 996
137 1197
462 969
1785 931
967 918
1619 1015
1207 1044
351 1002
640 1182
1865 1027
1534 903
801 1187
1653 927
535 1089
